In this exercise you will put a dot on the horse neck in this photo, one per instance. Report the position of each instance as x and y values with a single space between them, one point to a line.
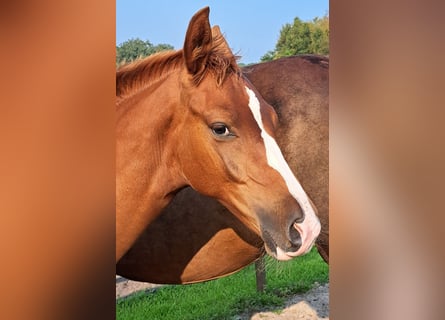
145 123
146 174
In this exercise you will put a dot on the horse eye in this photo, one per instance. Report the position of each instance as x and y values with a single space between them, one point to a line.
220 130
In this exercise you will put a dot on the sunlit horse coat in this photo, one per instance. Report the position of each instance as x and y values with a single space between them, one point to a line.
195 238
190 118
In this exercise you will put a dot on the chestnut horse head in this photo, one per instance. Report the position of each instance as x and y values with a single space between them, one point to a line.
189 117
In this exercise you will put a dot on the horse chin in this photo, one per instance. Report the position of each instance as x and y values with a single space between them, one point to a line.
281 255
273 249
276 252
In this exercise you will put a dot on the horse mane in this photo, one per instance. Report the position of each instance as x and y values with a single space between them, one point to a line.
142 73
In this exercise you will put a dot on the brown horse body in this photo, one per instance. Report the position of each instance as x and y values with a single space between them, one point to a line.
190 118
197 239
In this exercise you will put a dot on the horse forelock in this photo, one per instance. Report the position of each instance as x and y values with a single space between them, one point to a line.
142 73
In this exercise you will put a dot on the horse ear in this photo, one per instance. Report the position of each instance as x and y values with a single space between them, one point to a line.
198 41
217 35
216 32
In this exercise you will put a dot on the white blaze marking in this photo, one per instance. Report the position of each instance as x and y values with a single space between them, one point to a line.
310 227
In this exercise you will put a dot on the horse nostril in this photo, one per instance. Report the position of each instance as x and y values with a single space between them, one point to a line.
294 237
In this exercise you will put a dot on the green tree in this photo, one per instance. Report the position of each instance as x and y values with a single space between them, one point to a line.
320 35
301 38
136 48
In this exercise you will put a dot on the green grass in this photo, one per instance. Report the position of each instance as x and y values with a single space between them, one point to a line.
226 297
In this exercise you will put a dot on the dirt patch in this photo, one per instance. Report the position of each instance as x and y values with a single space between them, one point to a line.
125 287
312 305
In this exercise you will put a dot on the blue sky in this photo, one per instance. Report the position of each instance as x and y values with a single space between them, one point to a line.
251 27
